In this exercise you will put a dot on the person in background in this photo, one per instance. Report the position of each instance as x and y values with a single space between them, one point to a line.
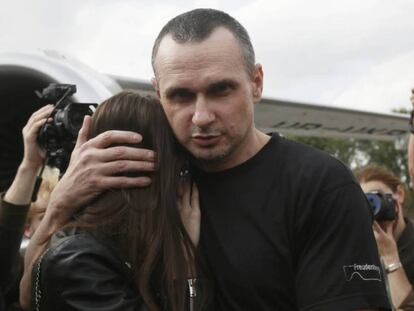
395 238
14 206
408 300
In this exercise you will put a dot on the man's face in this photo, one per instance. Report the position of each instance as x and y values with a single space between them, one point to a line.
208 97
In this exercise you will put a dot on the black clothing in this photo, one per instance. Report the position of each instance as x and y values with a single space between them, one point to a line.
405 245
289 229
82 272
12 221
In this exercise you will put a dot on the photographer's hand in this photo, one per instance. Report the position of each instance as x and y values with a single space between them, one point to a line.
20 192
34 155
387 248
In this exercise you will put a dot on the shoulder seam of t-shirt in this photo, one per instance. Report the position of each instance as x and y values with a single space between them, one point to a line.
320 151
340 185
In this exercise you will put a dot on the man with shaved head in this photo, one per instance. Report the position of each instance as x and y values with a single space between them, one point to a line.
284 226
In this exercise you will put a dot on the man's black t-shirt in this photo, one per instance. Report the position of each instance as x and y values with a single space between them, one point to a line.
405 246
289 229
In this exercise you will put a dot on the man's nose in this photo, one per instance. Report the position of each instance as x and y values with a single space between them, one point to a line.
203 115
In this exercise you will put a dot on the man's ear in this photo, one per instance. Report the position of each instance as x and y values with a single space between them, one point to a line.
155 86
257 82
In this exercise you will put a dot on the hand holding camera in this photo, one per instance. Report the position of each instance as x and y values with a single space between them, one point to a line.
20 191
382 205
58 135
387 245
384 209
34 155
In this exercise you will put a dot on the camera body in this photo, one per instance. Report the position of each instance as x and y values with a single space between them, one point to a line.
58 137
382 205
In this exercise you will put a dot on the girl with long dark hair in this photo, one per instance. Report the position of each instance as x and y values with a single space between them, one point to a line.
130 248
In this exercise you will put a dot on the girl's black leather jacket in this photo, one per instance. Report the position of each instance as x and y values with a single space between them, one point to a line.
81 272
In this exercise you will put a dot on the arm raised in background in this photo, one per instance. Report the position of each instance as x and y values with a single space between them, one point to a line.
20 192
16 201
399 284
94 167
411 144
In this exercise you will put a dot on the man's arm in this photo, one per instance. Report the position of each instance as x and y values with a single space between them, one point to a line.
411 157
94 167
338 251
411 145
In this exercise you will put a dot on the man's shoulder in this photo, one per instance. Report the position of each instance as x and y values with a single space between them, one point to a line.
301 151
309 162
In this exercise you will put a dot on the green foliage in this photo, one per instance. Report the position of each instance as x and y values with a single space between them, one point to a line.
358 153
385 153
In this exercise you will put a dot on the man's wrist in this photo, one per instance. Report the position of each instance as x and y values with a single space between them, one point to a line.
58 213
54 219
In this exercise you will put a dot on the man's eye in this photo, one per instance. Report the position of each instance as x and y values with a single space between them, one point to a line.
181 96
221 89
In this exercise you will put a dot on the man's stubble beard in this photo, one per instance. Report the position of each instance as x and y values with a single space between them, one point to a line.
218 155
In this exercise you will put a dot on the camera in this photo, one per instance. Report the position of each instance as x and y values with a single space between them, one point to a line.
58 137
382 205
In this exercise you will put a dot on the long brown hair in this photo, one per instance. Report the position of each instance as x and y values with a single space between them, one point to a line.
145 222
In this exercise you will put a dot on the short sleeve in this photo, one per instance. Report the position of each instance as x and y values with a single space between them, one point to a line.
338 263
82 274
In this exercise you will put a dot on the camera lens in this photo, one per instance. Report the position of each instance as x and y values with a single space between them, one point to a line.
375 202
